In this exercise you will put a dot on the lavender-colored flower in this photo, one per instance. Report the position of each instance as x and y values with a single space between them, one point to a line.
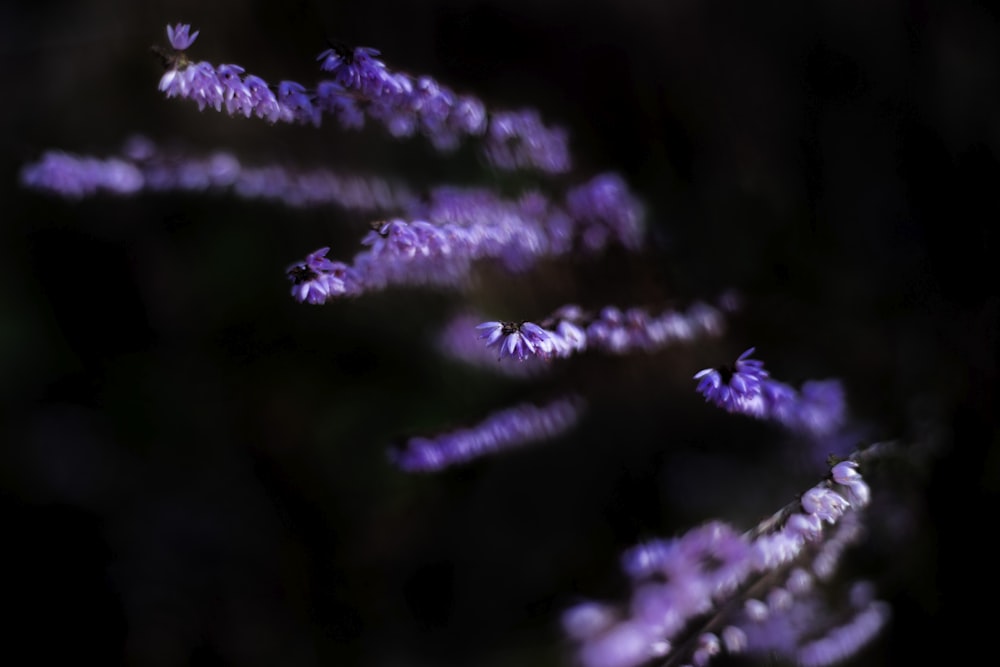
519 140
332 98
846 474
824 503
202 85
708 646
236 94
468 116
735 388
179 36
262 100
517 340
459 340
606 208
513 427
357 69
309 284
294 96
734 639
318 279
819 408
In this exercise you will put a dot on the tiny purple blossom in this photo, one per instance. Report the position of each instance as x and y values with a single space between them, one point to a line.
824 503
179 36
457 340
358 69
733 388
318 279
294 96
519 140
518 340
845 472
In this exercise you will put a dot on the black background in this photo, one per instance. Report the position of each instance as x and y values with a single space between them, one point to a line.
193 466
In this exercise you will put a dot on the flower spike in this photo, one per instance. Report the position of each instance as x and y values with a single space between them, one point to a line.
746 388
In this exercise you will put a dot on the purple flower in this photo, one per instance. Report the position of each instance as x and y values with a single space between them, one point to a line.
846 474
317 279
736 388
332 98
179 37
606 208
358 69
519 140
203 86
824 503
458 341
294 96
821 407
236 94
518 340
468 116
261 99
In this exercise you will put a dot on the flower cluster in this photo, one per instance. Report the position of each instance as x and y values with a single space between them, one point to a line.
362 86
697 595
571 329
711 590
462 228
746 388
454 341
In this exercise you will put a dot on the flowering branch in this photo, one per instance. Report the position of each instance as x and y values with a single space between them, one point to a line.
507 429
746 388
711 590
144 167
715 574
467 227
362 85
571 329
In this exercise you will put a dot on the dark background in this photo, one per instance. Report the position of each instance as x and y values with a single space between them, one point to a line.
193 466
